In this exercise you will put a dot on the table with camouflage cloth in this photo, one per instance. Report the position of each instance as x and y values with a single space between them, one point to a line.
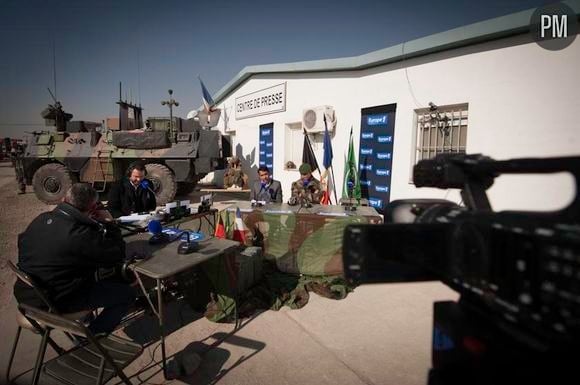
300 240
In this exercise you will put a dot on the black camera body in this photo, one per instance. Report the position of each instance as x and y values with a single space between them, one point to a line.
517 273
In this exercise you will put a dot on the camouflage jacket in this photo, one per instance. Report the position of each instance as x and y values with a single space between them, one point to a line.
312 192
233 176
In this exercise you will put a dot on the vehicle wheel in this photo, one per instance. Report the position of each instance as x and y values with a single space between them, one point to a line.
163 181
51 182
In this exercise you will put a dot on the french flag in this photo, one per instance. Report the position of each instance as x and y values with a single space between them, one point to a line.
239 228
208 102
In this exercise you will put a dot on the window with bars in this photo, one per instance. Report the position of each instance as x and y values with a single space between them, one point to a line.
441 129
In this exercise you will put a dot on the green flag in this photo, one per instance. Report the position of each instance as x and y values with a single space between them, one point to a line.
351 183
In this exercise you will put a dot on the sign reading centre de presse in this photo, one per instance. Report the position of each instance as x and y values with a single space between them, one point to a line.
266 101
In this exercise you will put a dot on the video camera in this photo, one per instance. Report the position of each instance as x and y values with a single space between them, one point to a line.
517 273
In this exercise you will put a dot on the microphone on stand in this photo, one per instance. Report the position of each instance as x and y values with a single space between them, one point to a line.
158 236
145 186
188 246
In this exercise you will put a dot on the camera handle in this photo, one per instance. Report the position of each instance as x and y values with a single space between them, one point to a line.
474 189
474 196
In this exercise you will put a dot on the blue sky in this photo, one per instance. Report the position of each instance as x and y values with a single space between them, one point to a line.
152 46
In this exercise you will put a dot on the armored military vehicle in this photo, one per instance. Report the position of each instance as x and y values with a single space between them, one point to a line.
176 152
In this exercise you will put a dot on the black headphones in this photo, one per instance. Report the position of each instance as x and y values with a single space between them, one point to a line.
135 165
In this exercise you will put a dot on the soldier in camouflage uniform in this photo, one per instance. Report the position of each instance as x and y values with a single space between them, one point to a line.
234 176
16 155
307 190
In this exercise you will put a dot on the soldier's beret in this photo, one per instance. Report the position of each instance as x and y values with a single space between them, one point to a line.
305 169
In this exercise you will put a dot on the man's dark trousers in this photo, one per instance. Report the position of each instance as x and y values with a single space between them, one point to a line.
114 297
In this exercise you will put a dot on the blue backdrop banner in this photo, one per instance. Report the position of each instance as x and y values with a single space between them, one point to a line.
267 146
377 134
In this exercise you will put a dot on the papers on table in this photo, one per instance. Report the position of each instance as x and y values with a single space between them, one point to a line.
334 214
243 210
272 211
134 218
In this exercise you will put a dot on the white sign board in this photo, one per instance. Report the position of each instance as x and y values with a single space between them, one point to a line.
266 101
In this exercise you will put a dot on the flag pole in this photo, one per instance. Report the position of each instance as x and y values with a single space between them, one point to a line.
333 184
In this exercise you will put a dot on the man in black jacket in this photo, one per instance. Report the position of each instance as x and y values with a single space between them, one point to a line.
132 194
64 248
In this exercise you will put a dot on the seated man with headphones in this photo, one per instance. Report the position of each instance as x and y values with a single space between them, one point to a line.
132 194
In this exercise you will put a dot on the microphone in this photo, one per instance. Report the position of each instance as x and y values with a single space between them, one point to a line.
188 246
145 185
158 236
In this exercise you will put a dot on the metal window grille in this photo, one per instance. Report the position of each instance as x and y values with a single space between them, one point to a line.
441 130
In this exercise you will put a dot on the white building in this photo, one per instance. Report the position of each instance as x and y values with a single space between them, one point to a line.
504 95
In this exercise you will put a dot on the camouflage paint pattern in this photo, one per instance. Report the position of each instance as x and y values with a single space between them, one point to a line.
300 240
91 146
311 193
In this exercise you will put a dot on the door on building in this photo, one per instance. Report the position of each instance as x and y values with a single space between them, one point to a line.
377 136
266 147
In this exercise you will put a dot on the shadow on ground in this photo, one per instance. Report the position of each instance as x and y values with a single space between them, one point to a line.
145 329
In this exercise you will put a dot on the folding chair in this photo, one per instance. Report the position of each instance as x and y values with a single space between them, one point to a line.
96 362
23 323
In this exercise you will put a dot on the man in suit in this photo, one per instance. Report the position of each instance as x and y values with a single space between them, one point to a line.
266 189
132 194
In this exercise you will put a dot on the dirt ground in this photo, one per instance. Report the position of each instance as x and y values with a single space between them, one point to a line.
379 334
16 212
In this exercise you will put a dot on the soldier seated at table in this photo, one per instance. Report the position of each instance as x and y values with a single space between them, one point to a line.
306 190
266 189
234 177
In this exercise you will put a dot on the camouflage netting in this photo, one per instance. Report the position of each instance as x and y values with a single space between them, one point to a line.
303 254
274 291
303 243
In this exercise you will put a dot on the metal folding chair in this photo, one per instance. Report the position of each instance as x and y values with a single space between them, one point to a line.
96 362
23 323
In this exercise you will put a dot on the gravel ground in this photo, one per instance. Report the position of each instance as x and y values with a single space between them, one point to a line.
16 212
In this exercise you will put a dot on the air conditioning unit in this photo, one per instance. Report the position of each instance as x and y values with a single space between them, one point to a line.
313 119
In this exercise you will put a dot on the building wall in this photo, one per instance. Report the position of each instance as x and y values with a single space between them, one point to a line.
523 102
